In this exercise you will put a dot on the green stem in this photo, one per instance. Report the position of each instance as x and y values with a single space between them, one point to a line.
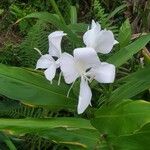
55 7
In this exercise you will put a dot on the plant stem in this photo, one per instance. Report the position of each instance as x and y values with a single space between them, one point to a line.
55 7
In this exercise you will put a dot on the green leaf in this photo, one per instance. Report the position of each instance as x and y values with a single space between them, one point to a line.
33 88
139 140
7 141
78 27
134 84
73 14
69 131
117 10
55 7
126 53
57 22
122 119
125 33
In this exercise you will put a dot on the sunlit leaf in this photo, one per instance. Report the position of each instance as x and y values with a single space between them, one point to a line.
122 119
126 53
69 131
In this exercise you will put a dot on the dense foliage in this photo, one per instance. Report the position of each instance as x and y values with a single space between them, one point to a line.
37 115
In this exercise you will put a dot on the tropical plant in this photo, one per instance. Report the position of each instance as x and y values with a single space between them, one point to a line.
37 113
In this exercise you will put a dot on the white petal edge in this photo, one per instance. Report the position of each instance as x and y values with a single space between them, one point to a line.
116 42
50 72
90 36
105 73
95 25
105 42
44 61
55 39
85 96
87 56
68 68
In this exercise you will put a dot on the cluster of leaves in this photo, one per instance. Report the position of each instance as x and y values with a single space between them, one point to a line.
105 18
40 114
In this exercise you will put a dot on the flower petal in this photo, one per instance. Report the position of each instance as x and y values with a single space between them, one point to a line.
90 37
50 72
95 25
55 43
84 96
87 56
44 61
105 73
116 42
105 42
68 68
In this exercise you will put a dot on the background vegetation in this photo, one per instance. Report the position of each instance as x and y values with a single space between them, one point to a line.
25 25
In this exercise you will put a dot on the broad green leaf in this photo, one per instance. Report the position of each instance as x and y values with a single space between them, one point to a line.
125 33
139 140
122 119
126 53
70 131
134 84
32 88
56 21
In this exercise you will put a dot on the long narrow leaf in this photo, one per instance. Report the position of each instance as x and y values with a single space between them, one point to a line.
73 14
117 10
70 131
126 53
134 84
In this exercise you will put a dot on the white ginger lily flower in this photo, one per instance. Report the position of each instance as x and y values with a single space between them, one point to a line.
55 39
46 61
104 73
101 40
84 64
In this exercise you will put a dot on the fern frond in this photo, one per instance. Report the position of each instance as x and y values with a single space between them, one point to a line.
102 17
36 38
36 142
64 7
15 109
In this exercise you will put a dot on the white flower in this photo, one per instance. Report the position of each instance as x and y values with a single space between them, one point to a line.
104 73
101 40
85 64
46 61
55 39
49 64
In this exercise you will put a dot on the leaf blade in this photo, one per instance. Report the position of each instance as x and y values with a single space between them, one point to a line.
123 55
32 88
70 131
124 118
134 84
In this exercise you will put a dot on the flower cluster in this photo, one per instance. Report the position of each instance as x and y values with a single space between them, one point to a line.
84 63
